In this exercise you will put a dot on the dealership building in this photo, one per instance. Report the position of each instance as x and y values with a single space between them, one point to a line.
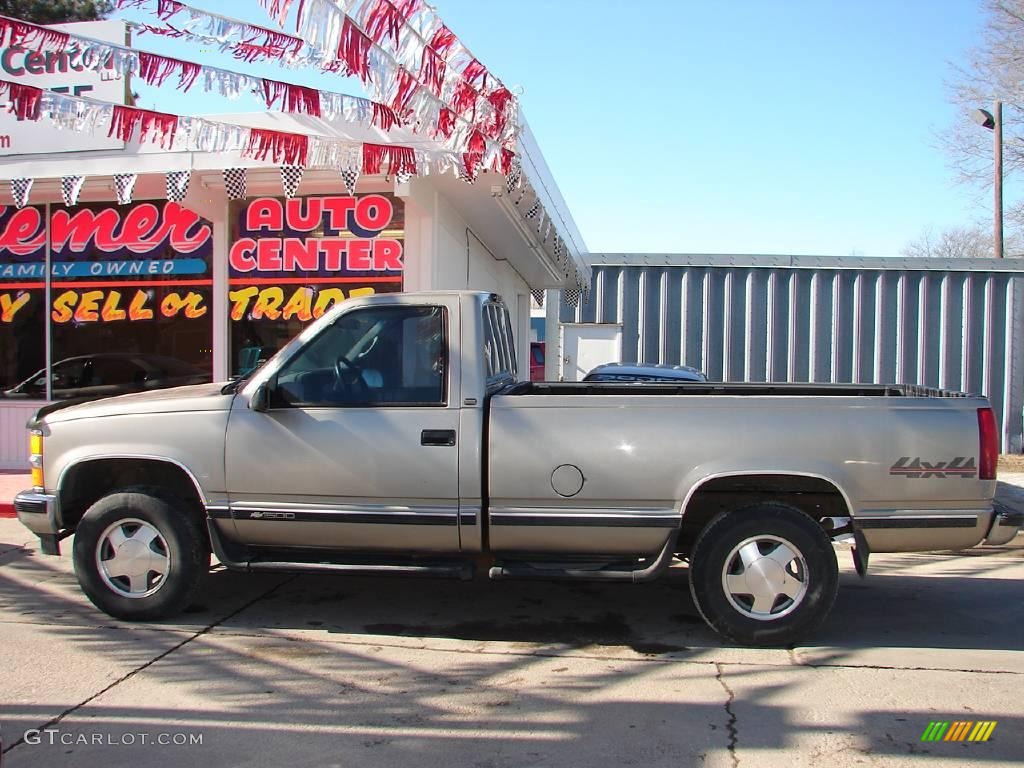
207 284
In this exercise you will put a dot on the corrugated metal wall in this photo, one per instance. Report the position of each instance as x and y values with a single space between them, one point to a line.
949 324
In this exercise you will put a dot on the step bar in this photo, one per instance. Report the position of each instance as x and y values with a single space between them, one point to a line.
236 561
525 570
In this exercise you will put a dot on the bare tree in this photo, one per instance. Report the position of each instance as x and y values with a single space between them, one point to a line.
55 11
995 70
953 243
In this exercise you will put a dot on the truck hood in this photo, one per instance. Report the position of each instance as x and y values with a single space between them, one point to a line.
198 397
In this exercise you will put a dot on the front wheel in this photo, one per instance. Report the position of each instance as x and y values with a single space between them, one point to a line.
764 574
139 556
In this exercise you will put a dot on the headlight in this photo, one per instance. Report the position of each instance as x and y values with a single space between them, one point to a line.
35 457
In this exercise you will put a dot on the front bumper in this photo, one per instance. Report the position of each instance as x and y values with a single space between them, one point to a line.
37 512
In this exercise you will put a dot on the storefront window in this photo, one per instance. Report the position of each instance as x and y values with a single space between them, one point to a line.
22 310
130 296
292 260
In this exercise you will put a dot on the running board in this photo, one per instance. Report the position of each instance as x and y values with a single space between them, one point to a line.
522 570
234 558
454 570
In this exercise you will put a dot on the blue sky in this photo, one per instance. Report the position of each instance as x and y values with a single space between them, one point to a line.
719 127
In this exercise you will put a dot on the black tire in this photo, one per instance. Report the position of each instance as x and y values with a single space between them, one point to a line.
180 548
813 574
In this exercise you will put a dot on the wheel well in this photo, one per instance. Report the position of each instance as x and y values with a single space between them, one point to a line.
87 482
813 496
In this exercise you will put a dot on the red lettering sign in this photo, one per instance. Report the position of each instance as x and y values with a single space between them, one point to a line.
142 229
293 254
268 214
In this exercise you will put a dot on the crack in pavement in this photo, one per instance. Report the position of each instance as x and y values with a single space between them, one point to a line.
730 725
70 710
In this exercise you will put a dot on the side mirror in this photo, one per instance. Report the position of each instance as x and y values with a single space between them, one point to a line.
260 398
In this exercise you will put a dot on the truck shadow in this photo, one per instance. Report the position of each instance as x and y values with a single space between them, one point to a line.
954 606
887 610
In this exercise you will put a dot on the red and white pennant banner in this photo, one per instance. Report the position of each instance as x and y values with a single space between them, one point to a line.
182 133
155 69
397 58
405 102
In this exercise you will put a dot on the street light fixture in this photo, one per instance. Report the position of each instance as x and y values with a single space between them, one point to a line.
994 122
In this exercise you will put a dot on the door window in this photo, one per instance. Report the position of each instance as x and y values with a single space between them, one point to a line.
373 356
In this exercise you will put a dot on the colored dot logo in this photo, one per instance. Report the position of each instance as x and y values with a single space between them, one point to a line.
958 730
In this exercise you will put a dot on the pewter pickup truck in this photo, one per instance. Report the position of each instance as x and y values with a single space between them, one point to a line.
393 437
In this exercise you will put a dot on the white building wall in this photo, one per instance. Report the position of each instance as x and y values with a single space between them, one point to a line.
463 261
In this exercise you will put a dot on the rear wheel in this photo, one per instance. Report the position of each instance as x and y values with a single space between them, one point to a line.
139 556
764 574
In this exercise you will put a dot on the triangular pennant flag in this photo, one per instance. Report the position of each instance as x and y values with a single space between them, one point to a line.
534 209
70 187
547 231
350 176
538 296
124 185
291 175
234 183
572 296
177 185
19 190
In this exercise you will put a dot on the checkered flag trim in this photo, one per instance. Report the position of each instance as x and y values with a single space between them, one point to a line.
515 175
291 175
19 191
534 210
234 183
177 185
351 177
572 297
467 176
124 185
70 187
538 296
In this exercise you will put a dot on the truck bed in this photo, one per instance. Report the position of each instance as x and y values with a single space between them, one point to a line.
728 388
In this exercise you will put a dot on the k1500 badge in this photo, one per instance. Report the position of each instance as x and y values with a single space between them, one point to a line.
259 515
915 468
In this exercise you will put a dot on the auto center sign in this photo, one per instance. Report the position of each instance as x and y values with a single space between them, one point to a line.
295 258
64 73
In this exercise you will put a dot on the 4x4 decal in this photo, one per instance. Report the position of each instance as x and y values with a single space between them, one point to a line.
915 468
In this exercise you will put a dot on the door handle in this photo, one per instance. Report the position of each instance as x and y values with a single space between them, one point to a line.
437 437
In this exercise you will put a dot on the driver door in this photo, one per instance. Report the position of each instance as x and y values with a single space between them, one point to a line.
358 446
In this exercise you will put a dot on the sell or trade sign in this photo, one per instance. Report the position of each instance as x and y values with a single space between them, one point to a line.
112 305
276 302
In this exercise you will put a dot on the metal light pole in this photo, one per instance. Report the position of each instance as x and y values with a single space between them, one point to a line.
994 122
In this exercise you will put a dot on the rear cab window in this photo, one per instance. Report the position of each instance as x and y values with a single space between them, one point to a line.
499 346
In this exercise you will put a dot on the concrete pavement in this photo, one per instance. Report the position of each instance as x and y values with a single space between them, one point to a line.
329 671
